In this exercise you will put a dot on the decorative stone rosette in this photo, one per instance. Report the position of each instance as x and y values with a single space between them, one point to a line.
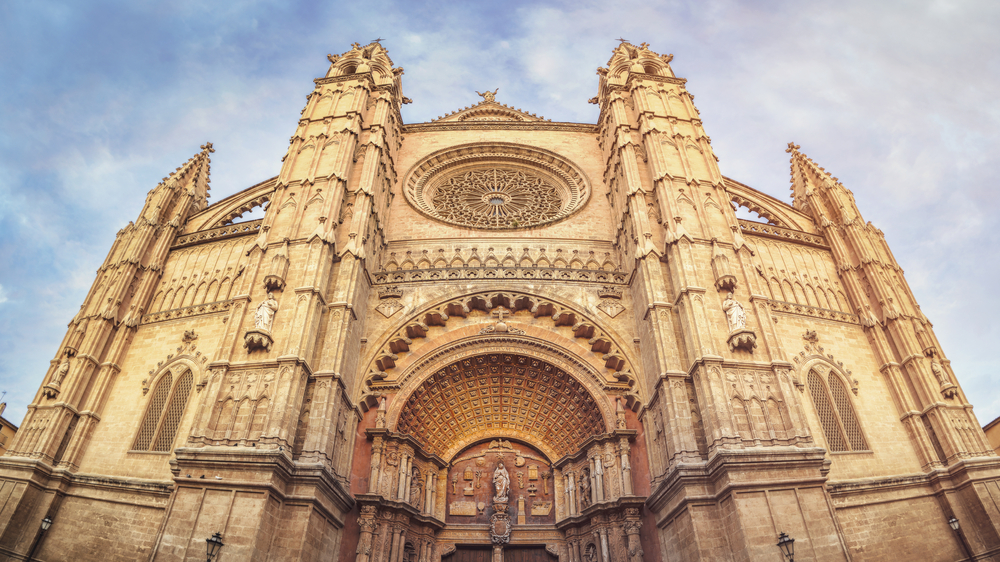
496 186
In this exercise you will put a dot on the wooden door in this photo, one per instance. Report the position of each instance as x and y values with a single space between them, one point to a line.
527 554
471 554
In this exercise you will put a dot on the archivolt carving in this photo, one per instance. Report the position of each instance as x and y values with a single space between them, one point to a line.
598 341
813 356
496 186
494 394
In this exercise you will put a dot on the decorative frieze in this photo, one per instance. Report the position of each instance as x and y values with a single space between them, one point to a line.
220 233
187 311
812 311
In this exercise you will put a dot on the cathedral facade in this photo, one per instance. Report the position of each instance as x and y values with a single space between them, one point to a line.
497 337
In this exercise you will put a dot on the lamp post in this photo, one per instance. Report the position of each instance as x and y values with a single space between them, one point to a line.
46 523
787 546
214 546
953 523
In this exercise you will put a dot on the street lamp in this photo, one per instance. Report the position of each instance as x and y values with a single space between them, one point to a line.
214 546
953 523
46 523
787 546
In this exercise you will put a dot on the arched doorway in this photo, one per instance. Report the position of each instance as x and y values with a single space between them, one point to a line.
486 406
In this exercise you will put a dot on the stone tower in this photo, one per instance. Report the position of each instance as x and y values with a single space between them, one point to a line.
496 337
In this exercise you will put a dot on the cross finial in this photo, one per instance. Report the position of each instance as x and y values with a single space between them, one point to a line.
620 40
379 40
792 147
499 313
207 147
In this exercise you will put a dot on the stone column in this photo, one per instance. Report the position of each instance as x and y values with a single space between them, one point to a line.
409 480
605 551
596 480
626 468
427 492
367 524
401 483
497 553
390 547
571 494
401 543
635 553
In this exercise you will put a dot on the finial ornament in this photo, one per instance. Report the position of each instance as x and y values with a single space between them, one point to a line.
379 40
208 146
488 95
620 40
792 147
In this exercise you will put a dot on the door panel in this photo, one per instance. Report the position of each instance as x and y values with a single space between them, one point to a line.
527 554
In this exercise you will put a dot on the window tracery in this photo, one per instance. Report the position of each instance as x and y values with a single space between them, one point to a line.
163 415
497 198
496 186
836 413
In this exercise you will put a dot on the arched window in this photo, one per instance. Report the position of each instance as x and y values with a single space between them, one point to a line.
163 415
836 413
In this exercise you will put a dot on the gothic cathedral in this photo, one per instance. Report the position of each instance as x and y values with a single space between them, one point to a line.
492 337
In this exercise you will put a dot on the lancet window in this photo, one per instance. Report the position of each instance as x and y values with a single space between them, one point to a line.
836 413
163 415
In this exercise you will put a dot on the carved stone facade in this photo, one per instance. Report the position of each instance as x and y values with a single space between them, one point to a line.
559 343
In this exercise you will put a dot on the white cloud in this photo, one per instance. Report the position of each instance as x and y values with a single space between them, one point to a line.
896 98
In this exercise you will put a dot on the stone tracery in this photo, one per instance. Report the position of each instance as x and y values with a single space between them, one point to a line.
496 186
496 198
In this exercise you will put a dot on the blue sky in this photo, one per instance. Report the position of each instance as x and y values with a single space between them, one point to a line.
99 100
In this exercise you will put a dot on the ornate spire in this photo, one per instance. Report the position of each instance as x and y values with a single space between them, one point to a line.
808 180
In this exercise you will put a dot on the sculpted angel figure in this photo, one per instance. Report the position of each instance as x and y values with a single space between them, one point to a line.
488 95
501 483
264 316
735 314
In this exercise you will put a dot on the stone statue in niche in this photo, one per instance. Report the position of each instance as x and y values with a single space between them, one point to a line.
735 314
415 488
264 316
739 336
585 489
501 483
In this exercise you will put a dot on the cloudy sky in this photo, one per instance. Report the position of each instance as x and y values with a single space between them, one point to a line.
99 100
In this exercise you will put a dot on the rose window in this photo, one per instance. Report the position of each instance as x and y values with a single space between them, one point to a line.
496 198
496 186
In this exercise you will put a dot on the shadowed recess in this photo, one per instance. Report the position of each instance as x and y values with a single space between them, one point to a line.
501 394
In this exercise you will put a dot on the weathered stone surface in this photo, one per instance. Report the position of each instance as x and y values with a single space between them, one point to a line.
494 287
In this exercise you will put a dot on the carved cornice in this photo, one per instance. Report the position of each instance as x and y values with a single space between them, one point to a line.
500 273
500 126
654 78
366 76
780 233
196 310
220 233
812 311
